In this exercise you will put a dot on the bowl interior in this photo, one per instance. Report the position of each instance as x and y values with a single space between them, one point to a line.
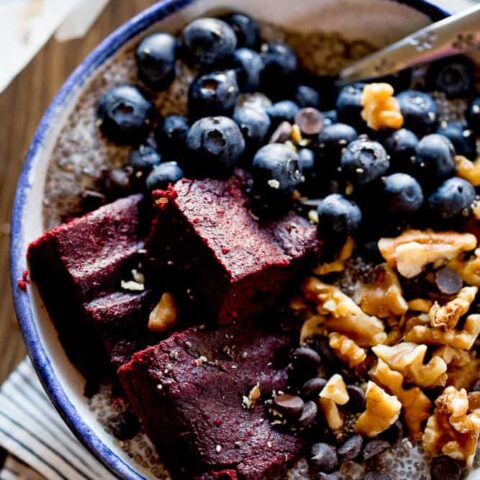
379 21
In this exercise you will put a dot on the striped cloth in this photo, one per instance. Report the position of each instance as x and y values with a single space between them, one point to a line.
38 443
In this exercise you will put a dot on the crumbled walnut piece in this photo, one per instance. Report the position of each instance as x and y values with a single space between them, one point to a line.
337 265
469 269
313 326
414 249
164 316
468 170
476 209
343 315
422 305
407 358
332 414
383 297
463 339
252 398
333 393
448 315
382 410
416 405
347 350
451 430
380 108
452 356
473 401
463 366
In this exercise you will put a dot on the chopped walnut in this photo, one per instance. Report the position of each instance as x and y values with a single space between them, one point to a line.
422 305
463 339
313 326
343 315
164 316
333 416
337 265
383 297
448 315
468 170
416 405
469 269
451 430
414 249
407 358
463 366
333 393
347 350
382 411
380 108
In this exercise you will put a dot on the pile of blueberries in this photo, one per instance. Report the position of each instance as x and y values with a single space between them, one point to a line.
248 97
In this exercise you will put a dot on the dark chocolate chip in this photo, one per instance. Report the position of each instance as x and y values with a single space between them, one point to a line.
374 475
281 134
124 426
306 357
374 447
290 405
310 121
352 448
91 200
446 468
357 398
313 386
448 281
324 457
394 434
309 413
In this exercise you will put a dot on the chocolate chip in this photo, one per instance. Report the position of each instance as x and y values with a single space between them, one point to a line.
310 121
448 281
306 357
125 425
91 200
282 133
445 468
357 398
290 405
324 457
312 387
309 413
374 475
374 447
394 434
352 448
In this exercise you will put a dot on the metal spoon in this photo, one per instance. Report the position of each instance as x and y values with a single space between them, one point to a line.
456 34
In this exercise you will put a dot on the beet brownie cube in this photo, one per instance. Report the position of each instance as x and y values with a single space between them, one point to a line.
238 265
189 392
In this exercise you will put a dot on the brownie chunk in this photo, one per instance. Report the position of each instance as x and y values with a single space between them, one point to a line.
189 393
78 268
237 264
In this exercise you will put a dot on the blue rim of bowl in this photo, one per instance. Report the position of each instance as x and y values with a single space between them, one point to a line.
41 362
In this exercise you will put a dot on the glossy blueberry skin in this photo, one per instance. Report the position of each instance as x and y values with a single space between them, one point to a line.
332 140
155 56
402 193
208 41
125 115
249 65
462 138
330 117
285 110
254 124
473 115
453 198
172 134
245 28
164 174
306 157
144 157
401 145
454 76
349 105
214 93
215 146
276 170
419 110
338 214
306 96
364 161
434 158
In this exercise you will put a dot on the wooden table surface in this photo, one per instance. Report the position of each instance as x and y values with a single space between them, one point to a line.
21 107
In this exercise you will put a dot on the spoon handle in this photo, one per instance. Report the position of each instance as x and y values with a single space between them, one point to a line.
455 34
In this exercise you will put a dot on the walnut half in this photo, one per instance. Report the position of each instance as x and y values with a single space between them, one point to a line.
333 393
346 349
448 315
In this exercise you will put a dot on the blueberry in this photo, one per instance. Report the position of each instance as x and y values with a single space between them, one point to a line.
434 158
330 117
155 57
215 146
208 40
282 111
276 170
324 457
462 138
403 193
254 124
306 96
349 105
453 198
245 28
125 114
144 157
254 100
332 140
364 161
306 157
419 110
446 468
249 65
337 214
453 75
164 174
213 93
172 134
473 115
401 145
